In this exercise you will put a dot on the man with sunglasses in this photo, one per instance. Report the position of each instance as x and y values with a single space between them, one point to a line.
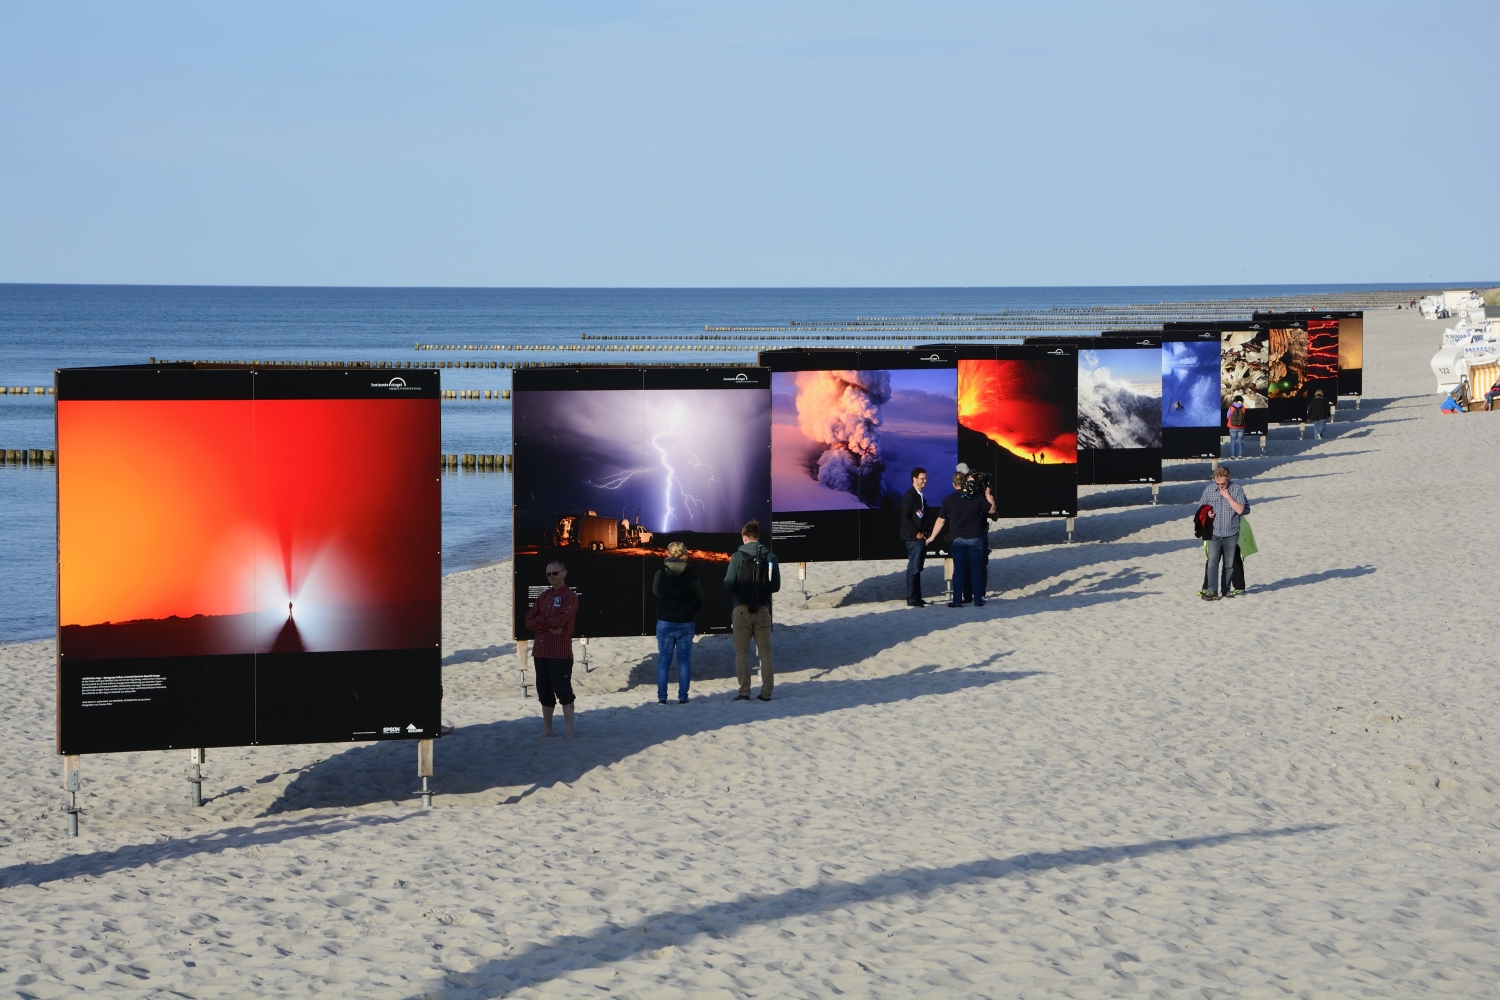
551 620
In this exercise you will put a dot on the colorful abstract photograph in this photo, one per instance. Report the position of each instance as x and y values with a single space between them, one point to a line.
1288 362
848 440
1119 398
1322 349
1190 383
298 525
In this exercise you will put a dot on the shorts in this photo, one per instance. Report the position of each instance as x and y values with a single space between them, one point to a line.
554 681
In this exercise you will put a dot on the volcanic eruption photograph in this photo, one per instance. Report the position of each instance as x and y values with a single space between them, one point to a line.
848 439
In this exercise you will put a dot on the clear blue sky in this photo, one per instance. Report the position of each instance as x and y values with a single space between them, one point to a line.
718 144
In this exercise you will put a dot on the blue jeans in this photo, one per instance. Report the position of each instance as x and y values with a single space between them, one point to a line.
1221 547
969 557
1236 442
1318 426
670 636
916 556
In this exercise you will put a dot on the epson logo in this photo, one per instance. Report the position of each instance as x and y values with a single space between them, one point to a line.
397 384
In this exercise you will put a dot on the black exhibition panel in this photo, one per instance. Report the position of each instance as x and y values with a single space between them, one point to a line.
1018 423
1119 418
1190 391
1351 339
1242 371
218 677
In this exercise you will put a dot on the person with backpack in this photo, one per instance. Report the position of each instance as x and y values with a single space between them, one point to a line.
1235 421
679 598
1318 412
752 577
1229 505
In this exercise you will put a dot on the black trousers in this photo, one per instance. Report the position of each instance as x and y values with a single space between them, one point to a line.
554 681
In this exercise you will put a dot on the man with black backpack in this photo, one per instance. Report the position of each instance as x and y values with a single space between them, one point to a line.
753 576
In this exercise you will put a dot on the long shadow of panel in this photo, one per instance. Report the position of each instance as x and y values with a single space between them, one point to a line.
613 942
507 753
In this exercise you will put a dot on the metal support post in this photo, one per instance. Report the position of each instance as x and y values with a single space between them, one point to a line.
1263 438
70 782
197 758
424 770
586 668
802 576
521 646
948 577
1070 522
1155 492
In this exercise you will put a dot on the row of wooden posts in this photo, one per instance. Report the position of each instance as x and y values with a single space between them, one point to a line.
479 463
25 390
476 393
30 456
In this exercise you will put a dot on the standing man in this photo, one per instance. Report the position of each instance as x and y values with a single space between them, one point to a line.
1229 504
753 576
1318 412
1235 421
968 514
914 534
551 619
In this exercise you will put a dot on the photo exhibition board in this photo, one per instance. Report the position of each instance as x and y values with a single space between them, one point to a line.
1119 409
847 429
1018 423
1244 363
246 557
614 463
1335 353
1190 392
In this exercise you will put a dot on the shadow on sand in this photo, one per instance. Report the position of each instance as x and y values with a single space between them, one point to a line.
541 963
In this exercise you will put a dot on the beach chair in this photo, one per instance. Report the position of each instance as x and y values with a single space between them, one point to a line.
1481 377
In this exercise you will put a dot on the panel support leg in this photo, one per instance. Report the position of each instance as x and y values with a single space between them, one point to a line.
196 758
521 649
424 770
71 765
1070 522
802 576
948 577
1155 492
1263 438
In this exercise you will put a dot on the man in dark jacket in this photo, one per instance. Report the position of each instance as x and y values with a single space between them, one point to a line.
753 576
968 513
679 597
914 533
1318 412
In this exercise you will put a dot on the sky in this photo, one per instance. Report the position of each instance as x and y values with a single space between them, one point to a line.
665 144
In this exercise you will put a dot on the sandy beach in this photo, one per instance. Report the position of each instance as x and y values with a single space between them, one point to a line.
1096 786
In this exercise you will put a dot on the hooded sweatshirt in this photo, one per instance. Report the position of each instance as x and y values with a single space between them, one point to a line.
679 593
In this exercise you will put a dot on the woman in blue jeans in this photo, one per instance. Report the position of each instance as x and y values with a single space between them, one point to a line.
679 597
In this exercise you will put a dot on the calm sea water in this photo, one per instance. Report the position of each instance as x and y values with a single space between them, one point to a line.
43 327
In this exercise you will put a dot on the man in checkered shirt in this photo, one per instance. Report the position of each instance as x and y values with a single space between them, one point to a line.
551 620
1229 504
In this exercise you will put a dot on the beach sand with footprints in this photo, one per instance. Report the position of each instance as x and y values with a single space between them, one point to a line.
1096 786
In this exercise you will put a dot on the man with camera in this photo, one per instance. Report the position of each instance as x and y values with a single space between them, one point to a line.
967 512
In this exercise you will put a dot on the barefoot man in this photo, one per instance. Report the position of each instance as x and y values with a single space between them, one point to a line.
551 619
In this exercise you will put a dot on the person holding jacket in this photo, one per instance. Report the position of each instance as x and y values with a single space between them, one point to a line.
752 577
679 597
1229 504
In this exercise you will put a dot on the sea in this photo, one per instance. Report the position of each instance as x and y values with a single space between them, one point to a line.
45 327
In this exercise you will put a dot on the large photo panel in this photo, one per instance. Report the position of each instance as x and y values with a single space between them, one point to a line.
1018 421
258 542
847 429
1351 354
1119 410
1190 393
613 464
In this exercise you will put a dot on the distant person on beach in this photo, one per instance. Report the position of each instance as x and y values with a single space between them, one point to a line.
1229 504
914 531
679 598
752 577
967 512
1318 412
1235 421
551 619
1492 395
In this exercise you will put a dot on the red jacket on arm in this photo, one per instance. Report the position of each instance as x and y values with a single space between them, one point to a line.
553 610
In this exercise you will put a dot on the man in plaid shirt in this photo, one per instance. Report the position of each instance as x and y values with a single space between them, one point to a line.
1229 504
551 619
